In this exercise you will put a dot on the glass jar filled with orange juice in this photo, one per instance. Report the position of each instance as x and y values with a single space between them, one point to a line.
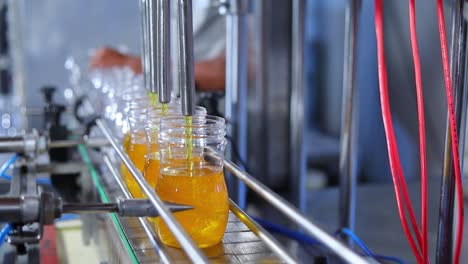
188 177
151 171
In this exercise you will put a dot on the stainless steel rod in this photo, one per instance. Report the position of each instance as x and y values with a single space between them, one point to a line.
348 177
269 240
157 245
91 142
179 233
90 207
297 158
295 215
236 88
186 60
444 252
11 144
163 59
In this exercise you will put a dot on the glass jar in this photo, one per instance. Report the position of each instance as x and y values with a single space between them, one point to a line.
153 117
134 144
188 177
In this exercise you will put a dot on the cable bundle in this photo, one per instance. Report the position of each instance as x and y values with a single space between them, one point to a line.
420 245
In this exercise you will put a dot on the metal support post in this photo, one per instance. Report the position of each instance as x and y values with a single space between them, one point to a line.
298 157
236 87
349 122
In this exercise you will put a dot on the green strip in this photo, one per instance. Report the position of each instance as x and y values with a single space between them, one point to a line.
105 199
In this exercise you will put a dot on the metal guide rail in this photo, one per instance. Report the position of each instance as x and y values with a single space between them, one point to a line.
238 240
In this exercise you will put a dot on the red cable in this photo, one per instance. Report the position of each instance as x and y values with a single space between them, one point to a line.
453 128
404 187
388 125
422 134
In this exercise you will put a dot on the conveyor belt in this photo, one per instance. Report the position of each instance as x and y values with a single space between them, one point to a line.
239 244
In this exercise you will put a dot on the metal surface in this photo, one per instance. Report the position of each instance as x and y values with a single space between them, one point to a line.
156 244
297 149
258 230
163 59
186 59
16 43
447 195
295 215
124 207
236 89
15 144
90 207
189 246
23 209
269 80
60 168
143 207
32 143
91 142
348 138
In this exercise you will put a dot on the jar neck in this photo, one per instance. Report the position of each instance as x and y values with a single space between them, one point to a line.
198 130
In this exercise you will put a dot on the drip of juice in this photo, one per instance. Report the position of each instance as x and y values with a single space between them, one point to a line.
188 143
205 190
164 109
136 152
153 98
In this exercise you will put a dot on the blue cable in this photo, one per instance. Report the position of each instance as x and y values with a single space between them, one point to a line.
10 162
7 164
4 233
66 217
300 237
363 246
357 240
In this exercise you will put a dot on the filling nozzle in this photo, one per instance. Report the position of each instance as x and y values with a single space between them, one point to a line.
145 42
162 55
153 13
186 60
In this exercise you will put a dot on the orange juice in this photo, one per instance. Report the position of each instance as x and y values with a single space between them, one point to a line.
206 191
136 152
126 141
151 172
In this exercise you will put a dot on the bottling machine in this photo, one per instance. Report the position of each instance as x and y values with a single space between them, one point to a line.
81 154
